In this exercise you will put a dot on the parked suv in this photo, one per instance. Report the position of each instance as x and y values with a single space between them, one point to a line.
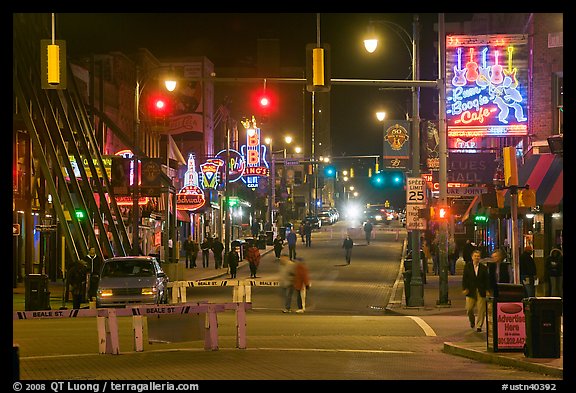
131 280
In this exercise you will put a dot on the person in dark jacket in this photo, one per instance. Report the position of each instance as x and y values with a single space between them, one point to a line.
553 270
278 245
205 247
474 287
233 260
347 245
499 271
76 276
528 272
217 249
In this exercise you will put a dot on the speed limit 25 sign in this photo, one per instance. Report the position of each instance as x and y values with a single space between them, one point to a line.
416 191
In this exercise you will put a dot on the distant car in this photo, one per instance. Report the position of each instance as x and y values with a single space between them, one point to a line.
314 221
326 218
131 280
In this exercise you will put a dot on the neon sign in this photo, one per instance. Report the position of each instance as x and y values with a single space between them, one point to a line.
236 164
211 173
487 90
254 153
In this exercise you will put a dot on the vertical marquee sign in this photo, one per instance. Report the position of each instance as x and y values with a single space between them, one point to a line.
486 87
256 165
191 196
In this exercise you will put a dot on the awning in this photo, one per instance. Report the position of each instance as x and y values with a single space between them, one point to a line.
183 215
544 173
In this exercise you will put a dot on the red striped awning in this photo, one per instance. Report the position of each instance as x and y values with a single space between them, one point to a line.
544 173
183 215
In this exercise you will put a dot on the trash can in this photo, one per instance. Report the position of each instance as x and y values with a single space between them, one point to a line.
282 233
37 296
505 319
269 238
261 243
542 327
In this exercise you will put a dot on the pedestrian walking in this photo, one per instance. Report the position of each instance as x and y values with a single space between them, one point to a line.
474 287
217 249
291 240
255 229
453 255
308 234
205 247
347 245
93 264
301 285
286 273
253 257
301 232
528 272
553 269
189 252
278 245
77 277
499 271
233 260
368 231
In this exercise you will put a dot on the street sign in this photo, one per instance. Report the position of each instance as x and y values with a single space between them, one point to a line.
15 229
413 221
466 191
416 191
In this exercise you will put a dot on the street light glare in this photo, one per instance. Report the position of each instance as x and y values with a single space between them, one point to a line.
371 44
170 85
380 115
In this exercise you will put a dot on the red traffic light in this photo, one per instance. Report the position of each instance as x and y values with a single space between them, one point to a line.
159 106
264 101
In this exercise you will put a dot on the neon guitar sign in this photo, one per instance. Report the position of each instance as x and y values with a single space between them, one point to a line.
490 98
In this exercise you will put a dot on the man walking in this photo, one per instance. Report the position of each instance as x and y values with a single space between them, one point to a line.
253 257
291 240
528 272
347 246
217 249
205 247
308 233
368 231
474 287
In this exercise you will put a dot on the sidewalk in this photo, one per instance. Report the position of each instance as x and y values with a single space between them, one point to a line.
476 349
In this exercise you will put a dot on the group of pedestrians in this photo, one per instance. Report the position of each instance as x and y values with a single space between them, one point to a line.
192 249
480 280
294 276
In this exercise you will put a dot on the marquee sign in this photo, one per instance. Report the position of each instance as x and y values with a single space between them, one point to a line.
487 85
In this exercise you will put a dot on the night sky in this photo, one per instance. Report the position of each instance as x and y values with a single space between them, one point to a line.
229 39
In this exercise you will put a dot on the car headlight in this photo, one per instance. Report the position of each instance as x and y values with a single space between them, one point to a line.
149 291
103 292
378 217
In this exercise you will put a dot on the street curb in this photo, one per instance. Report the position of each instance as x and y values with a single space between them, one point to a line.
494 358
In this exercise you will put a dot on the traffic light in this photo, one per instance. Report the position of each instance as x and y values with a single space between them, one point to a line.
443 212
318 75
160 106
264 101
378 179
329 171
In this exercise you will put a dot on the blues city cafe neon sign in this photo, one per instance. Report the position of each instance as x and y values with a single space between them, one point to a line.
486 85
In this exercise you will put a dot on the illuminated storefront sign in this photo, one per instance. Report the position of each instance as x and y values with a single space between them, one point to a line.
487 85
254 153
190 198
210 173
236 164
127 200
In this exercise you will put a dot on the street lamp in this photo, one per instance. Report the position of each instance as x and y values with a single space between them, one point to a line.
170 84
371 43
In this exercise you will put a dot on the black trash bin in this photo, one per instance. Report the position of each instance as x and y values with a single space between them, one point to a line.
37 295
261 243
505 319
542 326
282 233
269 238
243 244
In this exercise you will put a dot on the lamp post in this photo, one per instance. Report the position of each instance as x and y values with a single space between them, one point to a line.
416 288
141 80
272 201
